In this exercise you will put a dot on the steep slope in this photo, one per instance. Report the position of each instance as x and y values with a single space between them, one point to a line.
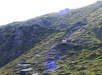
73 41
16 39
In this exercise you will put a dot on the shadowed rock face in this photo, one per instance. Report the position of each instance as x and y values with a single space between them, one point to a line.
14 40
99 34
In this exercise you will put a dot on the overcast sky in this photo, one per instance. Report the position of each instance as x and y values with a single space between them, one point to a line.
19 10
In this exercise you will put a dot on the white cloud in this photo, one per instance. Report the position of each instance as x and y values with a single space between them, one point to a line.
18 10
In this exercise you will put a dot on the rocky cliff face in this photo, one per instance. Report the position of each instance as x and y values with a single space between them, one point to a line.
14 40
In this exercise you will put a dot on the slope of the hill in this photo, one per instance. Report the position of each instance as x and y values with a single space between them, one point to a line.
71 43
14 40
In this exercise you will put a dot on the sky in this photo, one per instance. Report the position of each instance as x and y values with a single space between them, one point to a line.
20 10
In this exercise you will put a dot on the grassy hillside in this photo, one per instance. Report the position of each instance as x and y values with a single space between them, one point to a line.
73 41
